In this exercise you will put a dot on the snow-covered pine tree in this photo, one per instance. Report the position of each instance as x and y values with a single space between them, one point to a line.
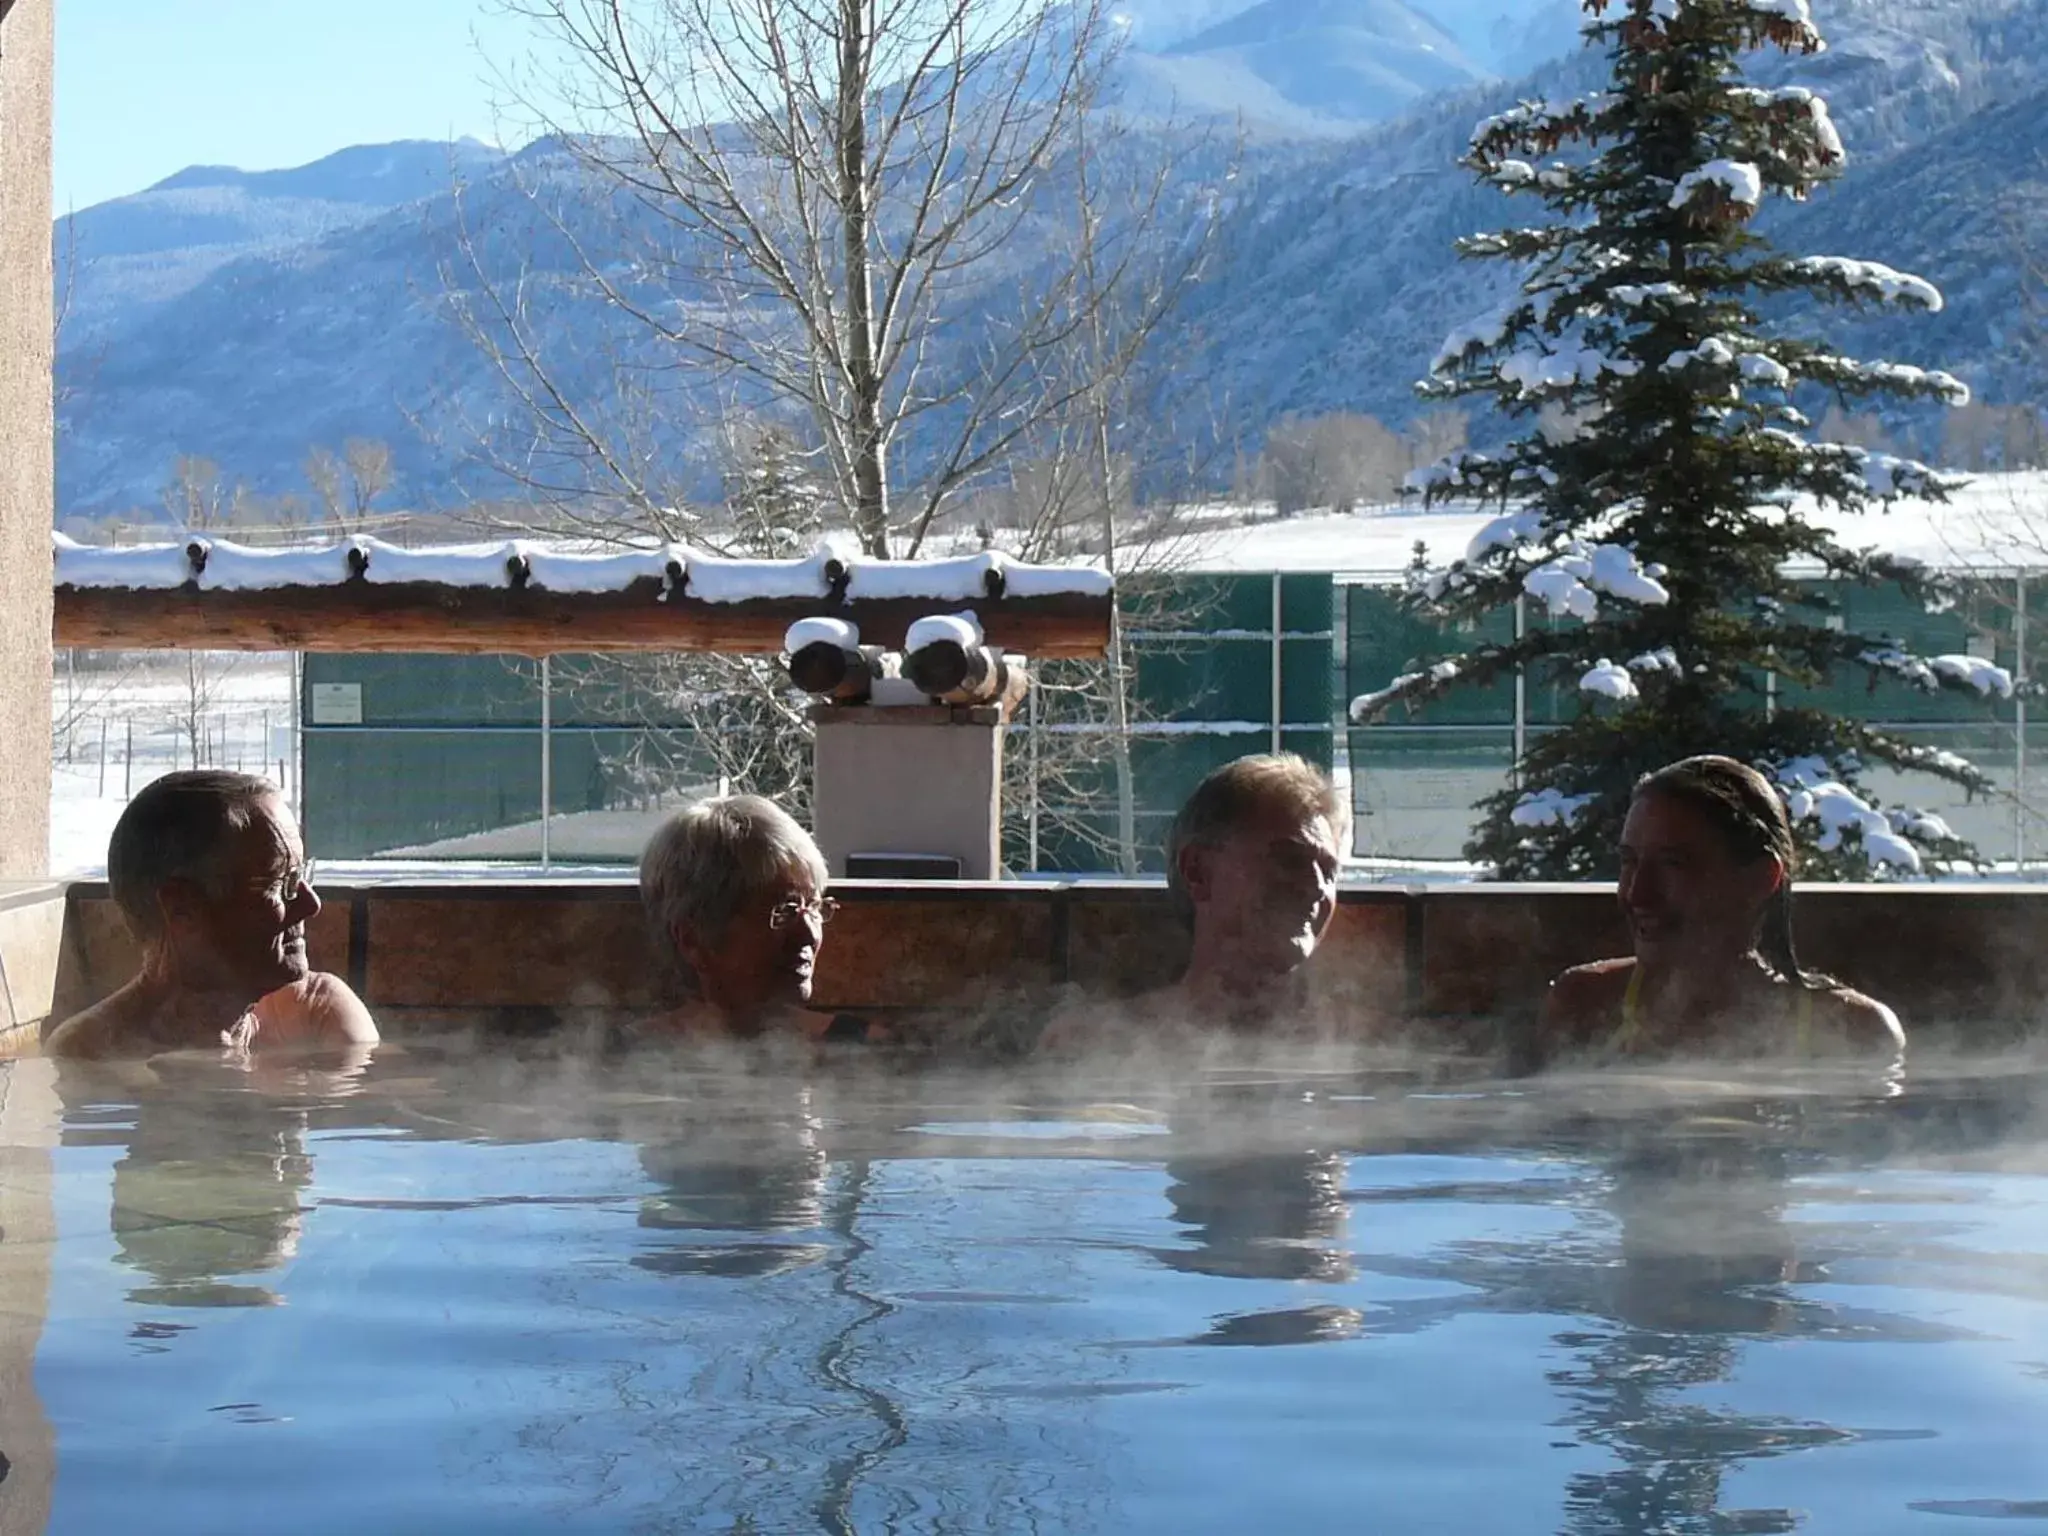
1667 481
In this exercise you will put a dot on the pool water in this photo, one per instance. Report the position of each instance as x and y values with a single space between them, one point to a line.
445 1294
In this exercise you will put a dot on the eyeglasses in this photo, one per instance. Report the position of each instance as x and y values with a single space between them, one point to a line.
295 878
784 913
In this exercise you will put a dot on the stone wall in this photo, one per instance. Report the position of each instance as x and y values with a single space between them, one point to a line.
26 44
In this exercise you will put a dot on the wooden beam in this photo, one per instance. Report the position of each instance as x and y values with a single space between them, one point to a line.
362 616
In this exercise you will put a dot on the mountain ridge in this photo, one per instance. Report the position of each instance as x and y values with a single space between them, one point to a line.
1334 283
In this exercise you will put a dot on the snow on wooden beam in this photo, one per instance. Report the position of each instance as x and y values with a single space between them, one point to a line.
531 599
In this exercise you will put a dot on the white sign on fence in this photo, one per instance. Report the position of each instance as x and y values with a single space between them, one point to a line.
337 703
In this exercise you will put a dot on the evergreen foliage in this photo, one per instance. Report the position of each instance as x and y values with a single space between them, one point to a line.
1660 508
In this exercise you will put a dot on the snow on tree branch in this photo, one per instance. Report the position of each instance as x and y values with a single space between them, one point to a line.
1608 681
1896 378
1549 807
1930 673
1857 280
1536 126
1409 685
1739 182
1975 673
1572 583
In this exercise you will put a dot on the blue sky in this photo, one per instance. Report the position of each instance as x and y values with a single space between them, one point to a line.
147 87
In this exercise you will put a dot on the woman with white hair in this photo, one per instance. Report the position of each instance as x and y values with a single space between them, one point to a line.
735 890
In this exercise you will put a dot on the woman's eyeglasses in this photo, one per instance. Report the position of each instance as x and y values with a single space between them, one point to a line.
286 886
785 913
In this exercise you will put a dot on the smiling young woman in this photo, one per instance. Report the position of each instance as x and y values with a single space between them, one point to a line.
1707 859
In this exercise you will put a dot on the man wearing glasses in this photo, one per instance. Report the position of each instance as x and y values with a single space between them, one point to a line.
208 870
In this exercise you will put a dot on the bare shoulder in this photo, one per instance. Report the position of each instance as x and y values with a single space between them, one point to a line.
1587 990
1861 1023
119 1024
321 1009
1579 1006
89 1035
1086 1022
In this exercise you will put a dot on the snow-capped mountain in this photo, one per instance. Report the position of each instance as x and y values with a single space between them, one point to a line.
1508 37
1303 66
159 243
1156 25
1318 68
248 317
1502 37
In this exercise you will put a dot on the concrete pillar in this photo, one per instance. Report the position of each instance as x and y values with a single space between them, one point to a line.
26 477
919 780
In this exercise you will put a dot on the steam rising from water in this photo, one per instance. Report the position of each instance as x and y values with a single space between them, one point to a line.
895 1285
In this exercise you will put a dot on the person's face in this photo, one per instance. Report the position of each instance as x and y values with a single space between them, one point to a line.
1681 890
249 934
1267 889
768 952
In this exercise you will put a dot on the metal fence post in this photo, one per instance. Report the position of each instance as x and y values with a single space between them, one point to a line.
1276 661
1031 766
296 795
547 757
2019 738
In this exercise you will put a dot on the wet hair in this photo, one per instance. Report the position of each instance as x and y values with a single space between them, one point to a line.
1231 796
710 859
178 827
1749 815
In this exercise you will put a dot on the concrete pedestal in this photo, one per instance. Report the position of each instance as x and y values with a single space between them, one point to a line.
910 780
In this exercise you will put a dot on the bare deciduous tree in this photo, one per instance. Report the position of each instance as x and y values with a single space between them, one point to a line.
368 461
1337 461
1993 437
194 496
1855 429
347 484
85 689
832 183
1436 434
707 720
823 201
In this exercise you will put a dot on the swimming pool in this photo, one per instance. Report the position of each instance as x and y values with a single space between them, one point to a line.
461 1294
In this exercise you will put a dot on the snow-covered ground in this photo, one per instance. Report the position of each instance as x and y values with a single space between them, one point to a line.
1996 522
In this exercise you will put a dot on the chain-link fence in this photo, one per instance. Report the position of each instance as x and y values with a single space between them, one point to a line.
486 757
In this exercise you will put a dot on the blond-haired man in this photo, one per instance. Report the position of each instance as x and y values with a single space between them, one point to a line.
1251 867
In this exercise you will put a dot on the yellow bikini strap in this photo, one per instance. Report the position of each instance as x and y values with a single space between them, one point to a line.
1631 1007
